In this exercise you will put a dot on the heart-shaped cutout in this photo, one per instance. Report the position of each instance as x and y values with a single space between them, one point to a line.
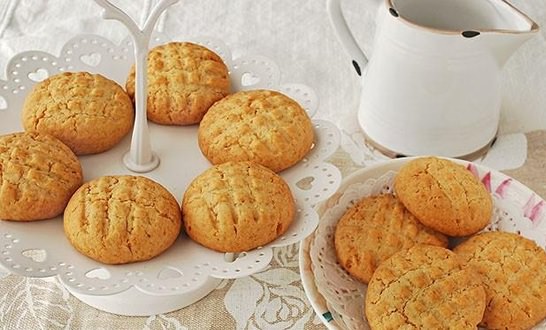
100 273
249 79
3 103
91 59
169 273
305 183
38 75
36 255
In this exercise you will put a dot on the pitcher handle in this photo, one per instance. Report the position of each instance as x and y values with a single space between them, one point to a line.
359 59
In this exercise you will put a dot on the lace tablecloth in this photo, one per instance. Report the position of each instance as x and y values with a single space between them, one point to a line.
297 35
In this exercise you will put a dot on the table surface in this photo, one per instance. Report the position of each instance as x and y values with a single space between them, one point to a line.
297 35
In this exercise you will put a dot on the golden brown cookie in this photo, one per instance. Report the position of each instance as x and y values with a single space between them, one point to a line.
424 287
444 196
237 206
184 80
38 174
88 112
513 270
374 229
122 219
262 126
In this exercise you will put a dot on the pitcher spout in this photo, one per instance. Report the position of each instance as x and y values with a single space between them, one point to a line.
514 29
503 45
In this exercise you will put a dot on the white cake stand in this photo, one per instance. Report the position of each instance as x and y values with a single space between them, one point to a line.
187 271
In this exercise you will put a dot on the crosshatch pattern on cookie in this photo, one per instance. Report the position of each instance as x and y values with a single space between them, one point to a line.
263 126
426 287
122 219
88 112
38 174
373 230
184 80
513 270
444 196
237 206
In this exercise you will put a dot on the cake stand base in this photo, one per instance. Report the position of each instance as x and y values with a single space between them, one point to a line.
134 302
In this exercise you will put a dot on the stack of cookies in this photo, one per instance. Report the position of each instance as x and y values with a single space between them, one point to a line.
397 244
113 220
64 116
239 204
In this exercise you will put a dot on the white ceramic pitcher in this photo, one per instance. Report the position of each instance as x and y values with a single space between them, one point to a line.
432 85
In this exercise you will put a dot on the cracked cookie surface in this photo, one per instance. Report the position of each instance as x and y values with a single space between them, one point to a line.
513 270
38 174
87 112
237 206
444 196
374 229
122 219
424 287
262 126
184 80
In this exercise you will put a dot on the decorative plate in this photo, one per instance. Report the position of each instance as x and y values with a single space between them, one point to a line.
339 299
187 271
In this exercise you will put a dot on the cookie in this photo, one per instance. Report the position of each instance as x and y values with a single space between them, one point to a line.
38 174
262 126
184 80
513 271
424 287
373 230
444 196
122 219
87 112
237 206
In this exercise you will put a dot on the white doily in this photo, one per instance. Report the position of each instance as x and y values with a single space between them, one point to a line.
39 249
516 209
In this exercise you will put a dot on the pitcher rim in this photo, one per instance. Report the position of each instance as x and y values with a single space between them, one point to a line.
534 26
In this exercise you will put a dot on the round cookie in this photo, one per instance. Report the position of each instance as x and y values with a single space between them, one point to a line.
237 206
424 287
262 126
373 230
38 174
87 112
122 219
184 80
513 271
444 196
